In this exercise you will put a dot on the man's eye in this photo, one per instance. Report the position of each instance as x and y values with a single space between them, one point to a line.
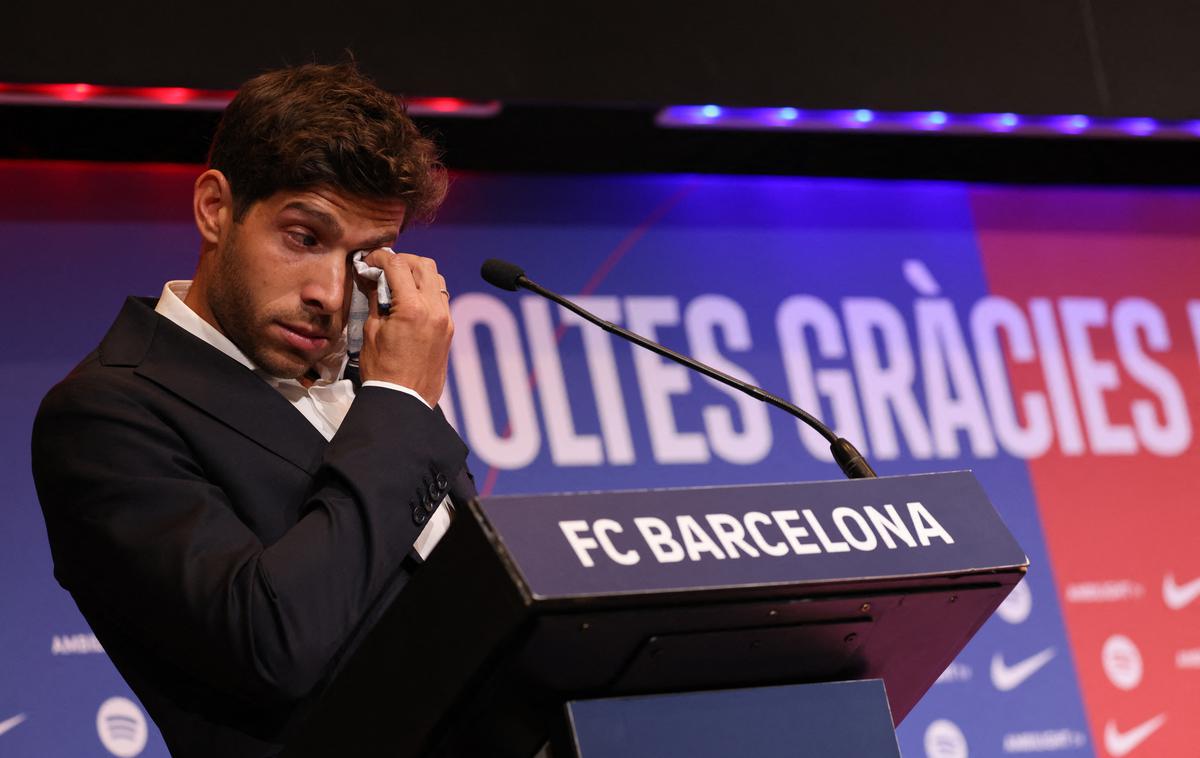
302 239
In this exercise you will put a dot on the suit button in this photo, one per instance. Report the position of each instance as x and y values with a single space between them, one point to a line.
419 516
435 491
431 504
441 481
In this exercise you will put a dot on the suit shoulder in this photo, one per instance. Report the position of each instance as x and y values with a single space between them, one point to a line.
109 369
88 378
93 390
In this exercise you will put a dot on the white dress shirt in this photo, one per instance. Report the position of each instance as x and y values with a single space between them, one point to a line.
324 404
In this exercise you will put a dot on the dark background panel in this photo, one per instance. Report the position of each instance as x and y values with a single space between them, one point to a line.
1150 55
1027 56
580 82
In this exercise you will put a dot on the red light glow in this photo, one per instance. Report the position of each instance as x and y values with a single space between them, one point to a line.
103 96
443 104
69 92
170 95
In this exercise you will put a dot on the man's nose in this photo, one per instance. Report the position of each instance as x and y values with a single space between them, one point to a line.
325 285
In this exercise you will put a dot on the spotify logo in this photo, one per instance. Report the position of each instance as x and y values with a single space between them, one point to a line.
122 727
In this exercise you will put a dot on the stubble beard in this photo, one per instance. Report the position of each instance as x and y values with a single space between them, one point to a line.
231 299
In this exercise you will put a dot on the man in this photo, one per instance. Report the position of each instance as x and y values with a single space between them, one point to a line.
231 515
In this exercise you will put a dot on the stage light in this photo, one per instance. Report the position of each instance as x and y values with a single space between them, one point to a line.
69 92
1140 126
1077 123
966 124
443 104
169 95
198 99
999 122
452 106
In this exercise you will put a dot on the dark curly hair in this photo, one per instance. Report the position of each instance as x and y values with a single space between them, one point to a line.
317 125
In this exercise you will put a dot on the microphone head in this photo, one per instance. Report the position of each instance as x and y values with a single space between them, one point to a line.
501 274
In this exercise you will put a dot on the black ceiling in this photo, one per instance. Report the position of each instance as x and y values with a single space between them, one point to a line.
1099 57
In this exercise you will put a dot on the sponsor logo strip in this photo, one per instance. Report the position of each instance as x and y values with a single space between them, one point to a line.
1179 596
1006 677
1121 743
11 722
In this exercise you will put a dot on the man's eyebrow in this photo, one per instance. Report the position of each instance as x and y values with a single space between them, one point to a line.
381 241
328 221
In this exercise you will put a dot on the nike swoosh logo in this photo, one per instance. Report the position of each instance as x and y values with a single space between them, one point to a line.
1005 677
1119 743
9 723
1178 596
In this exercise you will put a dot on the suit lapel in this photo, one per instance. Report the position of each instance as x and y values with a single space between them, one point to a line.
211 381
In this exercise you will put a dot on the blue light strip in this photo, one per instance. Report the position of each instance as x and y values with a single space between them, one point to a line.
862 119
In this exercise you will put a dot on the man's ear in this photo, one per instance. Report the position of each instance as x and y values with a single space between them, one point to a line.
212 203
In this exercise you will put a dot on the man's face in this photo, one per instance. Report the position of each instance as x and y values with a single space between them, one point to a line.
280 287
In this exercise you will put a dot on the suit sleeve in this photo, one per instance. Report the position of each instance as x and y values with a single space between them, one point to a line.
141 537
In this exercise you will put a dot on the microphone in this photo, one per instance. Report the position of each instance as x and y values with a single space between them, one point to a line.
502 274
509 276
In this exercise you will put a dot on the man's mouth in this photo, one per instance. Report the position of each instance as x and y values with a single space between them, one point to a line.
302 336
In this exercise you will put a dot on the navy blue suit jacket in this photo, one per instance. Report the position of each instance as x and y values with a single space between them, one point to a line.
226 555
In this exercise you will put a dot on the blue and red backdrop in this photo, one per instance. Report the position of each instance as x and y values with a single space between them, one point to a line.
1047 338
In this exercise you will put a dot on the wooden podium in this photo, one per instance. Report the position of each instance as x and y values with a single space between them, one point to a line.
533 602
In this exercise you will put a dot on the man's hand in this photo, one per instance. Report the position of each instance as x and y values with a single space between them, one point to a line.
410 346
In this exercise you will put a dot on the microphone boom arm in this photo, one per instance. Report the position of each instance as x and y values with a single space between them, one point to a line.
852 463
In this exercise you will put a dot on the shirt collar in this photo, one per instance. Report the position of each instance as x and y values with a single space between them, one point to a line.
171 306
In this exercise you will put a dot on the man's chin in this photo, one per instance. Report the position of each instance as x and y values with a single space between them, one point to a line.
283 360
283 366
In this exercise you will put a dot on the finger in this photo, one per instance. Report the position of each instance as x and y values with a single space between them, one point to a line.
378 257
371 327
435 290
424 270
373 300
429 282
398 272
